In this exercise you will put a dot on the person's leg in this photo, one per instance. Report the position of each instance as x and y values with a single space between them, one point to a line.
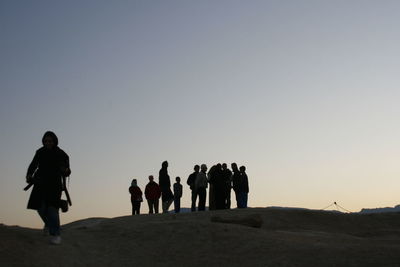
194 198
150 204
237 194
211 198
239 200
42 211
205 198
202 199
138 207
220 199
155 203
164 206
169 203
245 199
175 205
53 221
228 199
198 194
153 206
242 200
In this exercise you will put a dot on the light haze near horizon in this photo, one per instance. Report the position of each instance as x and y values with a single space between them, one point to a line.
305 94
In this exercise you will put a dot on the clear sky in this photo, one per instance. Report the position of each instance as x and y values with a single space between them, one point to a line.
305 94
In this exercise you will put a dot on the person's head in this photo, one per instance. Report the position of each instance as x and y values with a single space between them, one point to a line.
219 166
203 168
224 166
178 179
49 140
164 165
134 182
151 178
242 168
212 169
196 168
234 167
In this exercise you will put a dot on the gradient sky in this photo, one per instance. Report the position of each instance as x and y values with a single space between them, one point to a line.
304 93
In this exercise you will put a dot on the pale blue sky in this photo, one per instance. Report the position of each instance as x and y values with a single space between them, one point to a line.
304 93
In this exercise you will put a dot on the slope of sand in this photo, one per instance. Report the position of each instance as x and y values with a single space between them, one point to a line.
251 237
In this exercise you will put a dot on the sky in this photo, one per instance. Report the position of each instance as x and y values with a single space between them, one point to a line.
305 94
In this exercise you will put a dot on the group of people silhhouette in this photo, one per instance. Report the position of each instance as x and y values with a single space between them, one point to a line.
153 192
50 167
219 177
221 181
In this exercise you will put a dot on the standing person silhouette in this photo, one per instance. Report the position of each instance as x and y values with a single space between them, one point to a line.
191 182
136 197
236 182
48 171
244 187
211 192
201 184
165 185
178 189
219 187
227 177
153 194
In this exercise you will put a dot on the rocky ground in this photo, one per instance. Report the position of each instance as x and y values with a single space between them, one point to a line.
250 237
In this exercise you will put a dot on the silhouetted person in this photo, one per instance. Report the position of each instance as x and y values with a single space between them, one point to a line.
201 187
191 182
177 194
244 187
236 181
211 193
219 187
227 178
136 197
153 194
165 185
240 185
48 171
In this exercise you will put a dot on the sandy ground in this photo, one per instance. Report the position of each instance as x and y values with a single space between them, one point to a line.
251 237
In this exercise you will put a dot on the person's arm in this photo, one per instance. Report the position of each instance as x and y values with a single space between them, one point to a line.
66 171
234 182
247 183
32 168
64 183
140 193
189 181
197 181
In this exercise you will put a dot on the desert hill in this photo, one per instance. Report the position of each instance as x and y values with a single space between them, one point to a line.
249 237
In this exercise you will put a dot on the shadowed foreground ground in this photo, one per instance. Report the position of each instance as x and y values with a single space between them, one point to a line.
251 237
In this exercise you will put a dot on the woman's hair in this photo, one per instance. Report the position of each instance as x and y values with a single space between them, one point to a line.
52 136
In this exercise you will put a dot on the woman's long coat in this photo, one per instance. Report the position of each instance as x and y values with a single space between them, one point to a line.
48 167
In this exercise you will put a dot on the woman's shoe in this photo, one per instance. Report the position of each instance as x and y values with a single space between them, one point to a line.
55 240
